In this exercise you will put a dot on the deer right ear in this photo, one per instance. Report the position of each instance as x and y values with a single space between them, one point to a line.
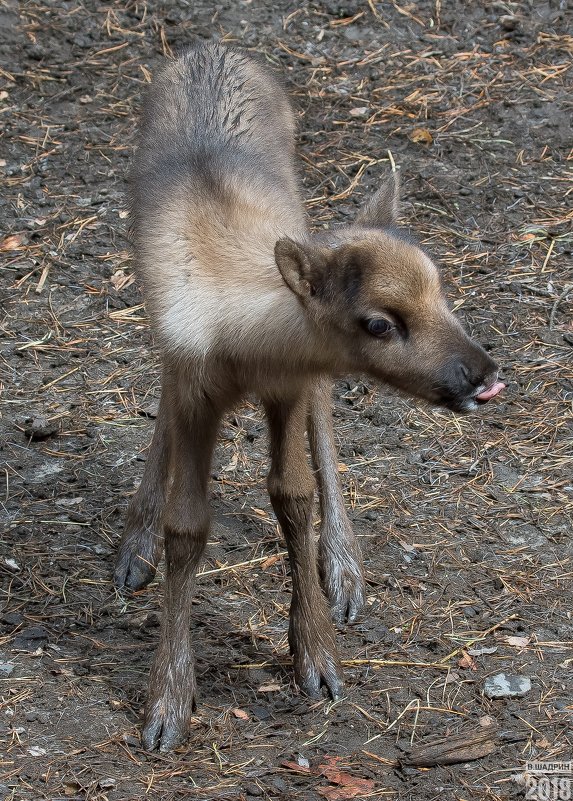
295 266
381 211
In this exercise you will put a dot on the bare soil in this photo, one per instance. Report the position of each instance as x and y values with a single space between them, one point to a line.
465 522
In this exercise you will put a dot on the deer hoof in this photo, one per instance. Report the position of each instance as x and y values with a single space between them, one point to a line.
139 553
315 659
132 570
347 600
343 584
318 669
166 725
171 701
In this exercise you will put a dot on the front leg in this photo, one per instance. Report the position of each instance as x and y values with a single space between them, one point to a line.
340 558
171 695
141 546
291 488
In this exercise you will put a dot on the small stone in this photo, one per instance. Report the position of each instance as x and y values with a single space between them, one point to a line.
31 638
37 751
38 428
259 712
6 668
504 685
69 501
12 618
509 22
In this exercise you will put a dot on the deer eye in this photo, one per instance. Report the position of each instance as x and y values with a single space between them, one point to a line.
379 327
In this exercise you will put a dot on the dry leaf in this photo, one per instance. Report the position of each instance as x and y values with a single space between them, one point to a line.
466 661
120 280
295 766
241 714
272 560
361 787
358 112
348 786
421 136
259 512
13 242
517 642
232 464
268 688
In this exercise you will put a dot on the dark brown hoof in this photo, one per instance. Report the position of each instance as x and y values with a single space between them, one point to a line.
317 669
165 728
140 549
171 698
343 583
132 570
313 647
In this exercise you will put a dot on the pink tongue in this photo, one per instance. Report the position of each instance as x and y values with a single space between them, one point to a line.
490 393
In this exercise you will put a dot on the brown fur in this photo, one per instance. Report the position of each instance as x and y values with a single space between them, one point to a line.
244 299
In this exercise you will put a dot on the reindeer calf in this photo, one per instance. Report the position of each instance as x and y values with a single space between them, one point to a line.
244 299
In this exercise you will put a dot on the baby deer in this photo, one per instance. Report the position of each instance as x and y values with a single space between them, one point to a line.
245 299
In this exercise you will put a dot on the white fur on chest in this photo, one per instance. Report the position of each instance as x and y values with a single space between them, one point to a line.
202 318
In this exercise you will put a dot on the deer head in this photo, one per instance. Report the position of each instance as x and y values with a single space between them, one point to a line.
377 303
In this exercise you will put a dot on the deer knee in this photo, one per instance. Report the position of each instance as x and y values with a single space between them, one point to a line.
297 482
186 526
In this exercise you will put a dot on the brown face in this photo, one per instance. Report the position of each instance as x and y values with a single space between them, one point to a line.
380 302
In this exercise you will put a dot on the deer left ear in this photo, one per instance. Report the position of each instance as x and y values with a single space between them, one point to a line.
381 211
299 266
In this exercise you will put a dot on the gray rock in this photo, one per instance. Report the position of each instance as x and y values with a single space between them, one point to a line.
38 428
504 685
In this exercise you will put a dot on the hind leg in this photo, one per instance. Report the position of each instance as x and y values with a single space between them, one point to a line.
141 546
291 488
339 555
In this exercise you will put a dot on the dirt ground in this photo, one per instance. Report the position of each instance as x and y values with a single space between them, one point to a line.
465 522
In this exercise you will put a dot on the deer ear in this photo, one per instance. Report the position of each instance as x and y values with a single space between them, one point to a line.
295 263
381 211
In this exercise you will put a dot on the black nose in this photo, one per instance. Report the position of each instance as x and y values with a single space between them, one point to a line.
463 376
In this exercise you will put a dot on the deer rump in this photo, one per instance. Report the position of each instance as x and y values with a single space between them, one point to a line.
244 298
